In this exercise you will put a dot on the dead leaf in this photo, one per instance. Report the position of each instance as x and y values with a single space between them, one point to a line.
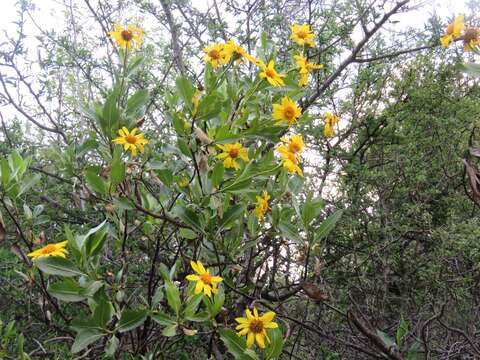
314 292
474 180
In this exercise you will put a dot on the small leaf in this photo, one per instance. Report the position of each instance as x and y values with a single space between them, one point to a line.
328 225
185 90
103 313
95 182
173 296
130 319
136 103
67 290
275 347
112 346
162 319
235 344
84 338
53 265
170 330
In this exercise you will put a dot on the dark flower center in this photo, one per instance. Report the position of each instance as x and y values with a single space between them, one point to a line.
289 112
214 54
256 326
131 139
127 35
233 153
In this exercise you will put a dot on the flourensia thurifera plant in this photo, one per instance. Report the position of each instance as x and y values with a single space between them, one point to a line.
177 218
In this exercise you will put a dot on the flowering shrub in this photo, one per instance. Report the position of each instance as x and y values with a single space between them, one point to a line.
227 182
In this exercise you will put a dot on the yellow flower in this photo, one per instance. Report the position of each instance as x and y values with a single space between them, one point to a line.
262 205
57 249
237 53
302 35
453 30
126 37
270 74
130 141
255 327
230 153
304 68
471 38
294 143
290 160
330 121
286 112
204 280
216 55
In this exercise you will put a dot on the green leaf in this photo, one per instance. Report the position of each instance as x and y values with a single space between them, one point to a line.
137 102
162 319
95 241
166 176
103 313
67 290
110 115
188 234
84 338
117 172
217 174
275 347
28 183
199 317
191 305
54 265
311 209
130 319
157 297
185 90
402 330
235 344
170 330
328 225
95 182
173 296
112 346
290 231
5 172
189 217
234 213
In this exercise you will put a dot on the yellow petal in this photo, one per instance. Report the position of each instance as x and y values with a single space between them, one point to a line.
199 287
267 317
192 277
260 340
250 339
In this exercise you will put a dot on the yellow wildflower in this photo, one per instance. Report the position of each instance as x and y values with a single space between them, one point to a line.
216 55
262 205
130 141
127 37
255 327
304 68
57 249
270 74
330 121
204 280
294 143
238 53
471 38
290 160
286 112
453 30
230 153
302 35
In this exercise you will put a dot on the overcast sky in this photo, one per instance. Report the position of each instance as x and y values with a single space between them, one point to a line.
49 16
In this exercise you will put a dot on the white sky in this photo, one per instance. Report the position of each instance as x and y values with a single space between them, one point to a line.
49 16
